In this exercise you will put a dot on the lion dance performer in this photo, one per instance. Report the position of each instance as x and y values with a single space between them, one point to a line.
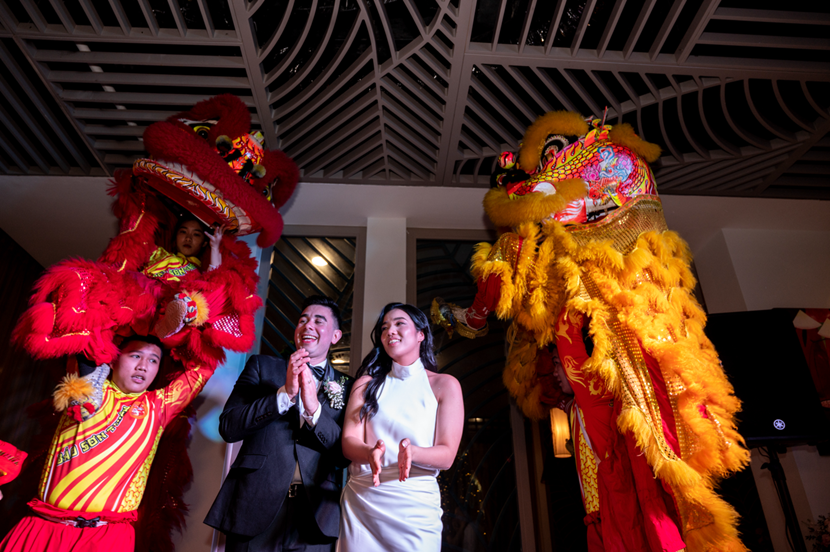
204 163
204 160
585 263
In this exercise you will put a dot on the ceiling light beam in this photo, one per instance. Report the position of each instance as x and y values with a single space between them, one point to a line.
150 79
526 24
584 20
141 59
31 93
608 32
34 14
206 17
92 15
822 128
764 41
31 126
121 16
771 16
554 25
698 24
142 98
178 17
639 25
665 29
15 156
63 15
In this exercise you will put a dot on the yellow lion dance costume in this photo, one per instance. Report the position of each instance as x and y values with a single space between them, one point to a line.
593 279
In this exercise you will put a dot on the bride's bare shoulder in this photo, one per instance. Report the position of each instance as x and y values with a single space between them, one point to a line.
444 385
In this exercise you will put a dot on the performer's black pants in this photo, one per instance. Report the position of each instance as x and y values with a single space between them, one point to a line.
293 530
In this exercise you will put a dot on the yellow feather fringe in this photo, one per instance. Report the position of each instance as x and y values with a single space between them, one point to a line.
202 310
534 207
624 135
566 123
649 290
71 388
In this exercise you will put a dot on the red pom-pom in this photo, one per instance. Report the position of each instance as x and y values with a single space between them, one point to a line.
74 412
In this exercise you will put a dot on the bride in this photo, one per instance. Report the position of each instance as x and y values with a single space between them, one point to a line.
403 425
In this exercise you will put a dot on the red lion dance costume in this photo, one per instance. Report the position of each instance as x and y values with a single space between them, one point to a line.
204 161
585 262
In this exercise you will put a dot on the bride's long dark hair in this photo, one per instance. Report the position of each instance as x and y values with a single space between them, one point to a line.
378 363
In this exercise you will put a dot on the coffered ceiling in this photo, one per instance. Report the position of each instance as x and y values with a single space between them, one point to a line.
428 92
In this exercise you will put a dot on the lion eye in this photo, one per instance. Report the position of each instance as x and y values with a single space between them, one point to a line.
556 143
202 131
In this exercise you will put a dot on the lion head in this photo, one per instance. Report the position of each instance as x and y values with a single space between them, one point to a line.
571 170
207 161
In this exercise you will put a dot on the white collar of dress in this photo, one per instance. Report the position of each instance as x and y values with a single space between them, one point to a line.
403 372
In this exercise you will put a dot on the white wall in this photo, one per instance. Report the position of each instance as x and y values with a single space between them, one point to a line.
385 271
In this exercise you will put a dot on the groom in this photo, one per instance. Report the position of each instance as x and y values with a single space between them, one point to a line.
281 492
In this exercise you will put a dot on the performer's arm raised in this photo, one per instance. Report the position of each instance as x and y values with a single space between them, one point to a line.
182 390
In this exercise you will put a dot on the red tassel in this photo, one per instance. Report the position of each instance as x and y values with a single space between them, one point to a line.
74 412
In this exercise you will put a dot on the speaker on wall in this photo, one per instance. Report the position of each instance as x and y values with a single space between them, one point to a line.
763 359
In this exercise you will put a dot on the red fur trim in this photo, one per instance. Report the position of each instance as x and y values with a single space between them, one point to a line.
70 312
78 306
278 164
165 141
138 213
232 114
189 348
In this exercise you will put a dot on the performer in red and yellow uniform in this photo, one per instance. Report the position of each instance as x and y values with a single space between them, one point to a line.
97 469
627 507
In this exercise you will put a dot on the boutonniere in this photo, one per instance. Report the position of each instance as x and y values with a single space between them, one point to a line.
334 392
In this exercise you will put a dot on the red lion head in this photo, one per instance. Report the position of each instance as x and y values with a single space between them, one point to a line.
207 161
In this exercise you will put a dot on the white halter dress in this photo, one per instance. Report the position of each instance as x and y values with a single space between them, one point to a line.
395 516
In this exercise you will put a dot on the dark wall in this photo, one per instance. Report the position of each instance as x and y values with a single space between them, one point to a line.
23 381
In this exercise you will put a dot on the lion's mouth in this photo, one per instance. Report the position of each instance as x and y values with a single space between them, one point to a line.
201 198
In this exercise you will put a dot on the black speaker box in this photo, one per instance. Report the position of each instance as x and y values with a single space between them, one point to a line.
763 359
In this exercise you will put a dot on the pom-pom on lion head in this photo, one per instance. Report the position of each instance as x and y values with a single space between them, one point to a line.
207 161
571 170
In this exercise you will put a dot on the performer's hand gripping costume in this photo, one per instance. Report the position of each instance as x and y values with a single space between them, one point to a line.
585 261
204 161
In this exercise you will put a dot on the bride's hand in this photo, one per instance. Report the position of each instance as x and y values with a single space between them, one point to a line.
374 461
404 459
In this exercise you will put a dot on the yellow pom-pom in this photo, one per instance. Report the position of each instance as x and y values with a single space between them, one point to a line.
71 388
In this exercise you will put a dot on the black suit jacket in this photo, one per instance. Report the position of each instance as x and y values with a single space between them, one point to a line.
258 481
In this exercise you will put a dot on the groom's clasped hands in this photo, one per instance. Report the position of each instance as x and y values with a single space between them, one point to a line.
301 381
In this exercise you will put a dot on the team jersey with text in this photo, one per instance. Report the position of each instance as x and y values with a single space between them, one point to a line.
102 463
169 267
